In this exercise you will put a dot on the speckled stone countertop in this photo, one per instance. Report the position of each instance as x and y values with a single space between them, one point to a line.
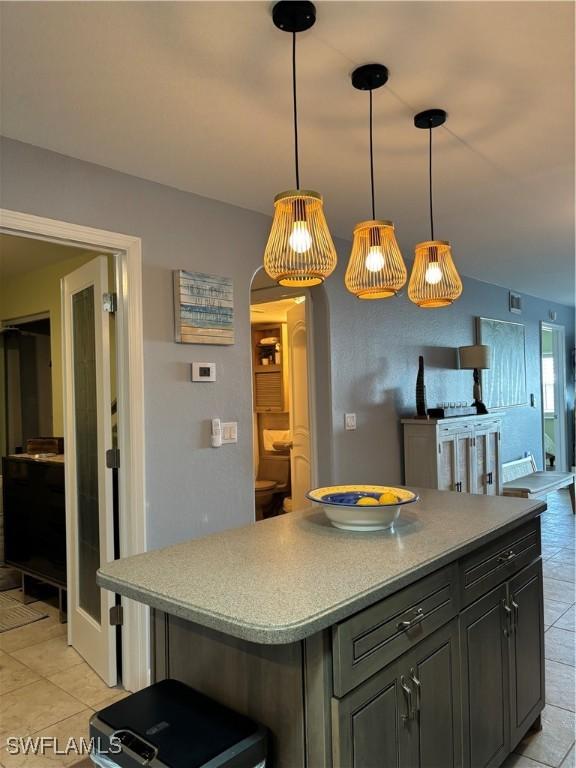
283 579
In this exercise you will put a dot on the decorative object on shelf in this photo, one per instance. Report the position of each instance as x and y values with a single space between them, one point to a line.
434 281
421 408
376 269
362 507
475 357
203 308
504 384
300 251
451 411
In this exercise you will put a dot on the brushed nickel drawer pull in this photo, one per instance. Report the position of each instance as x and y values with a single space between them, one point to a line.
407 623
507 556
418 687
408 695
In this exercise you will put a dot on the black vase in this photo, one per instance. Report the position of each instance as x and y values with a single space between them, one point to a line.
421 408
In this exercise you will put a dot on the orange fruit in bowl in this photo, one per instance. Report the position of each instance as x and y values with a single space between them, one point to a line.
367 501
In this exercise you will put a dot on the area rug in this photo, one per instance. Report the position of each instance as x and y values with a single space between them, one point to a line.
13 614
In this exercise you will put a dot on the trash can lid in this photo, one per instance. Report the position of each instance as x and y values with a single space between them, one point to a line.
186 727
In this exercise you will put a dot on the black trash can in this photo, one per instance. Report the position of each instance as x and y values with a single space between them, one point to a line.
170 725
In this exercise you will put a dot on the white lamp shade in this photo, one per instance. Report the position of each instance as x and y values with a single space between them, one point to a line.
474 356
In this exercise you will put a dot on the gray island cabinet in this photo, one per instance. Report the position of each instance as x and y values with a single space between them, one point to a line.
418 647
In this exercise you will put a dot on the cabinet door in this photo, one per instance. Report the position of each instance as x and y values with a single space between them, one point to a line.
434 672
484 630
371 725
526 650
465 469
447 463
487 461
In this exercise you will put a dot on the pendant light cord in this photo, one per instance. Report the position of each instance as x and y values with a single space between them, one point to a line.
295 110
430 184
372 160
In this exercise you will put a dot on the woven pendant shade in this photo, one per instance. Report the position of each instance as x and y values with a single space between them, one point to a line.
376 269
300 251
434 281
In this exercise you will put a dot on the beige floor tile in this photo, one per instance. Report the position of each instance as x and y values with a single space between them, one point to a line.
570 759
521 761
49 657
32 634
83 683
557 570
560 685
13 674
75 727
566 621
115 695
564 556
34 707
552 743
563 591
560 645
553 610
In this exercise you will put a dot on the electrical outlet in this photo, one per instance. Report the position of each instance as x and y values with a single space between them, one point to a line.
350 421
229 432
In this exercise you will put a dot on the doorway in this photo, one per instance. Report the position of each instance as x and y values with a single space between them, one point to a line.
553 368
57 423
283 403
124 252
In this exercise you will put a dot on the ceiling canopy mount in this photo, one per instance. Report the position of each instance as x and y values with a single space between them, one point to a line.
430 118
294 15
369 77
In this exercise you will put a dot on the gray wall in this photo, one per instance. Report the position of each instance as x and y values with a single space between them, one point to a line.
366 353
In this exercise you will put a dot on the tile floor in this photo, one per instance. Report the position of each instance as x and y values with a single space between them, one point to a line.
47 690
554 744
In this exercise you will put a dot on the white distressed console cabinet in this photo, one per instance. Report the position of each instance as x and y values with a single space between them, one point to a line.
457 454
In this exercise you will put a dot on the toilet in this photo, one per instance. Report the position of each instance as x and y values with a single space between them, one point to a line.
271 484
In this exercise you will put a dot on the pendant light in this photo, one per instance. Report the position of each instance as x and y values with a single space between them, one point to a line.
434 281
376 269
300 251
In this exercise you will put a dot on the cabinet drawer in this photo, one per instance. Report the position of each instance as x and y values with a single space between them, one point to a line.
485 569
376 636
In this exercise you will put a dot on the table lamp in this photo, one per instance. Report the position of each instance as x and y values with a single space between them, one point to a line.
475 358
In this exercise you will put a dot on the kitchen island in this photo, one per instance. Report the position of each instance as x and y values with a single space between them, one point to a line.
413 647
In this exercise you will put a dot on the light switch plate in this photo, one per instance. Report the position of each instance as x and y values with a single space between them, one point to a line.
350 421
203 371
229 432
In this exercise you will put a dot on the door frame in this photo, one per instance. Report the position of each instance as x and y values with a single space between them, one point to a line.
559 347
127 251
273 294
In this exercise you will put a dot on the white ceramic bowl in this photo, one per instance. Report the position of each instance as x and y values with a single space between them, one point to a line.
341 508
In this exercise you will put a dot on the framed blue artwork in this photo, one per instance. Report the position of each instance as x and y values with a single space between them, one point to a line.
203 308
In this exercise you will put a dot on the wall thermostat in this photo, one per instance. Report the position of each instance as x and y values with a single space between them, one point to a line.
203 371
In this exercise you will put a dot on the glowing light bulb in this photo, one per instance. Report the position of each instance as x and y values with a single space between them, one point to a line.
300 240
433 273
374 259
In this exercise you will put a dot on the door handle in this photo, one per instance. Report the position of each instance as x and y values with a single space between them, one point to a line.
408 623
408 696
418 687
507 617
515 608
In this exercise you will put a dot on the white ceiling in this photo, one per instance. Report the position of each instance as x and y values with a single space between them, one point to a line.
21 254
197 95
271 311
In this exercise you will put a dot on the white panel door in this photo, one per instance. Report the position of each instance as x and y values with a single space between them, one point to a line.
88 435
300 462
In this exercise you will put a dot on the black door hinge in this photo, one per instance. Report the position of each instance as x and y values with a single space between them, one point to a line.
116 616
110 302
113 458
